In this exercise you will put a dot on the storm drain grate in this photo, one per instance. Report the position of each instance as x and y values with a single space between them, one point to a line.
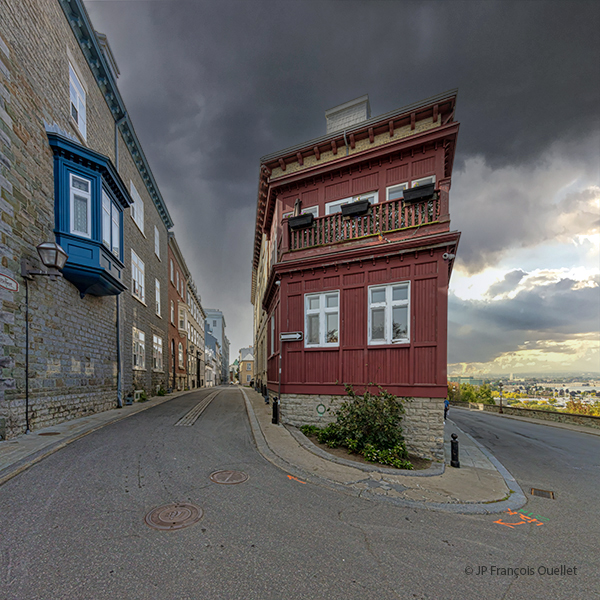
228 477
542 493
173 516
49 433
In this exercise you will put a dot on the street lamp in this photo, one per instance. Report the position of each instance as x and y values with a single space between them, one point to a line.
500 386
53 257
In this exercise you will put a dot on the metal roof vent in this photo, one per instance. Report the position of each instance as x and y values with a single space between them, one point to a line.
348 114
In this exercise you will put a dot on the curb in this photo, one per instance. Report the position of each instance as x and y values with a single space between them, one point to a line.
516 499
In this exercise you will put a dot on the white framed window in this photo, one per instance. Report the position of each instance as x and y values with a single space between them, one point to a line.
322 318
180 355
157 295
77 94
157 353
137 277
181 319
336 206
177 274
312 210
137 208
395 192
156 242
172 312
111 224
81 205
272 334
139 349
422 181
389 313
172 271
248 378
248 367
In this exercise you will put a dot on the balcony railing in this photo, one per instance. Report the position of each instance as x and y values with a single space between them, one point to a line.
383 217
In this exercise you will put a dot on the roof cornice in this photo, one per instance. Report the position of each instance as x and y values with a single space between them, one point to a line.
81 24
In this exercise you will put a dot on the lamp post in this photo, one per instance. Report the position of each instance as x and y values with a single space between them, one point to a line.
500 386
53 257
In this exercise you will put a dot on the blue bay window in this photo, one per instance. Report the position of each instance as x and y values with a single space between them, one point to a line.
90 198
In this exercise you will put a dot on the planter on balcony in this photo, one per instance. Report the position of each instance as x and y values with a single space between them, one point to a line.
355 209
301 221
421 192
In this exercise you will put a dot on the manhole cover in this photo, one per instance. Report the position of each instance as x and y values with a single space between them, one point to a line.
49 433
229 477
174 516
542 493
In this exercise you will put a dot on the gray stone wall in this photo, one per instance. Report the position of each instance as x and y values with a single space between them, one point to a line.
73 341
135 313
423 425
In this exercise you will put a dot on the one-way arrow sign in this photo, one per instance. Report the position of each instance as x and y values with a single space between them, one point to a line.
290 336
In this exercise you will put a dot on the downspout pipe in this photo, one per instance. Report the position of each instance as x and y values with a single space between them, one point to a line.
118 324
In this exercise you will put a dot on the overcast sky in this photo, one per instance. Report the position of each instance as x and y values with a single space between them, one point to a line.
213 85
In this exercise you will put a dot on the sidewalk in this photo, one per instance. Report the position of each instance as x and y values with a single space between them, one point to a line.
480 486
20 453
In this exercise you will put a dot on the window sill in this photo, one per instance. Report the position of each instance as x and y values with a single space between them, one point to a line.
139 368
328 347
77 131
139 300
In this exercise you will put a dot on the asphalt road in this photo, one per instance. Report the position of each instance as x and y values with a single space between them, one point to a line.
72 526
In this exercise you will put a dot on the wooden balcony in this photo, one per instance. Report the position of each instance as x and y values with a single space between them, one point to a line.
385 222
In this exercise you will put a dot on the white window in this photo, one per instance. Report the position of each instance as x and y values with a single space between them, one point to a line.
248 366
157 353
156 242
272 334
322 316
389 313
180 355
137 208
111 224
171 270
423 181
137 277
77 102
139 349
157 296
81 206
181 319
248 378
396 192
336 206
177 281
312 210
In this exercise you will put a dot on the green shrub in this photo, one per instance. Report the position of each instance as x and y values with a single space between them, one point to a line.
161 392
368 424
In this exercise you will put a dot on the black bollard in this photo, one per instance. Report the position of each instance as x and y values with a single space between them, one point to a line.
275 419
454 451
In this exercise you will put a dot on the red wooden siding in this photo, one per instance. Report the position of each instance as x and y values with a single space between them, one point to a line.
400 365
337 191
397 174
425 363
424 310
423 167
367 183
310 198
321 366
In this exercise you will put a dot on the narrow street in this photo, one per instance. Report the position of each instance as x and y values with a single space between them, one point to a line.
72 526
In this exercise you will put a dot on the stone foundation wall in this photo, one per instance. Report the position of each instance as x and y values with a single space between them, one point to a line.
423 424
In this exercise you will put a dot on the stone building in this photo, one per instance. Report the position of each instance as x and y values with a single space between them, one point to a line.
216 321
195 317
178 276
72 171
352 259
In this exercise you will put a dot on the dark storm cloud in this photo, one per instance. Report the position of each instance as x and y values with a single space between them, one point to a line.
214 85
509 283
480 331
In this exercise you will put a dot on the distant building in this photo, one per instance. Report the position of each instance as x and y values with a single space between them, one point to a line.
471 380
246 365
178 276
216 321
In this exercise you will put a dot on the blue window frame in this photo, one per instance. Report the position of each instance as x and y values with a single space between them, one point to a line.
90 198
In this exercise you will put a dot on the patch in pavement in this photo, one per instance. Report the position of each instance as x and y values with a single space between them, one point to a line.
173 516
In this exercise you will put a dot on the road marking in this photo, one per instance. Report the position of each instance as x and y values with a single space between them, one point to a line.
296 479
193 415
525 518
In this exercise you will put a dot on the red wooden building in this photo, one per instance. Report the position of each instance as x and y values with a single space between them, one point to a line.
354 251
